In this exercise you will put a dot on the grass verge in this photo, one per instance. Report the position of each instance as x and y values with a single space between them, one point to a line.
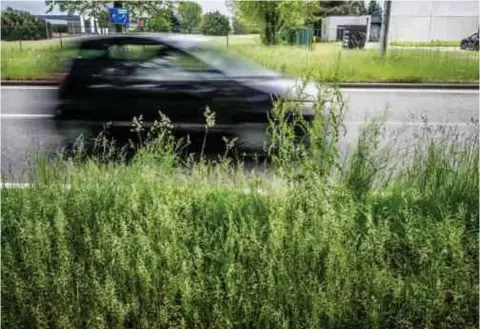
330 63
427 44
375 241
327 62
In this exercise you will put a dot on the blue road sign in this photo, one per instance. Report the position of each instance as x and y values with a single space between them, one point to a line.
118 16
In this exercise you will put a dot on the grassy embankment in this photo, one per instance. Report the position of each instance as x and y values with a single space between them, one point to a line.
384 240
40 59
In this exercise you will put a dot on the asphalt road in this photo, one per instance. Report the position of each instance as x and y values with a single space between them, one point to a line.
26 125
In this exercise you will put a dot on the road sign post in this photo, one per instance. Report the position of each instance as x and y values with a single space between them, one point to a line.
118 16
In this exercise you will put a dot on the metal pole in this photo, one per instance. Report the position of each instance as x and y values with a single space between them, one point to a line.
46 29
385 26
118 27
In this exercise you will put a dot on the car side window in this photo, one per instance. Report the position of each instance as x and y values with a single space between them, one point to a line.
133 52
171 64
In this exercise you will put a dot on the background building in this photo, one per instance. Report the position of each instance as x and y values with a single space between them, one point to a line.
75 24
334 26
434 20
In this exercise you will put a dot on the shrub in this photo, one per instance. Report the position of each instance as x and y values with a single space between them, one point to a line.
21 25
215 23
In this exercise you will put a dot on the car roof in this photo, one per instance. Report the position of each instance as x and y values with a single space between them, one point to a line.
187 43
180 41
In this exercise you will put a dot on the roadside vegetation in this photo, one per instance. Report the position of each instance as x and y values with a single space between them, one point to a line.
384 238
427 44
326 62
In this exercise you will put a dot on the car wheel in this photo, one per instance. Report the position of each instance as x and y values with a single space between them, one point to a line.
476 47
463 45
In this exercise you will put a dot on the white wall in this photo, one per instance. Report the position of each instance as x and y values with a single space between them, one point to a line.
329 25
420 21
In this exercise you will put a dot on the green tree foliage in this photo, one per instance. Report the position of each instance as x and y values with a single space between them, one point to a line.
214 23
357 8
159 22
341 8
333 8
240 27
190 15
96 9
273 17
21 25
374 8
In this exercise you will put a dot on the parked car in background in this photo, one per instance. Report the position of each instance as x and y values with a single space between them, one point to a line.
470 43
115 78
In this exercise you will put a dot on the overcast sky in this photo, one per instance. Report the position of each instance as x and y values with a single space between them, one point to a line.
37 7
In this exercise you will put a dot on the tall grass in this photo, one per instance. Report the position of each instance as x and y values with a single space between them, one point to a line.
32 61
329 63
372 242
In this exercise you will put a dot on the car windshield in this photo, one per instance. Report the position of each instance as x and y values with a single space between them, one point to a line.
230 64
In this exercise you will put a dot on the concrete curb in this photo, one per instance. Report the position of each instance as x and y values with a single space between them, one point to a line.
359 85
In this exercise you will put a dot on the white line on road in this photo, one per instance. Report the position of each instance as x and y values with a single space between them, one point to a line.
423 91
28 87
25 116
415 124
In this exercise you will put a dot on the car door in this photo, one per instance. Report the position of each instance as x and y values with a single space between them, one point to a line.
85 86
173 83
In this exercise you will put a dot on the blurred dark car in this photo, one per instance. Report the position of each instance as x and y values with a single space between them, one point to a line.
117 77
470 43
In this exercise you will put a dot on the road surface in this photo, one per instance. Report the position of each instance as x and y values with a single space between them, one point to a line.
26 112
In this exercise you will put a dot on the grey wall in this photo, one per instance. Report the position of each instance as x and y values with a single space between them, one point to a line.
420 21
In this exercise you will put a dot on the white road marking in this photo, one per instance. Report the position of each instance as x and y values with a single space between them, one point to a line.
415 124
28 87
25 116
405 90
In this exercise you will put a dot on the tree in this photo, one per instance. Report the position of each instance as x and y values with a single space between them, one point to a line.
21 25
214 23
357 8
190 15
333 8
159 22
98 9
92 8
374 8
274 16
240 27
